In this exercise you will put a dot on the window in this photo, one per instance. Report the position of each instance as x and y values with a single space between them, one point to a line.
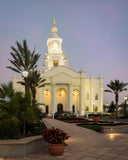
87 96
55 63
96 96
46 109
87 109
73 108
96 109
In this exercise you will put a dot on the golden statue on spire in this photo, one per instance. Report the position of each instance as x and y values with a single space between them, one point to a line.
53 21
54 29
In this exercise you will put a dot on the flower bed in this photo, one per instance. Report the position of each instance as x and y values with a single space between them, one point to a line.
73 120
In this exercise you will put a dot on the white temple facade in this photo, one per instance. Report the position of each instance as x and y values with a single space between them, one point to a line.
67 90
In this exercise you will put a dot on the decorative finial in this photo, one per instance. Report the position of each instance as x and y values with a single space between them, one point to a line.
54 29
53 21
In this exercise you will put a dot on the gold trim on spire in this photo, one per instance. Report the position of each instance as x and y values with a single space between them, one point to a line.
53 21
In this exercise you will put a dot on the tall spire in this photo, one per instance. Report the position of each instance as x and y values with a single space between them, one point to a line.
54 22
54 29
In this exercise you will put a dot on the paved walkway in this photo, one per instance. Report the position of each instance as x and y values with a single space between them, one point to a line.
85 144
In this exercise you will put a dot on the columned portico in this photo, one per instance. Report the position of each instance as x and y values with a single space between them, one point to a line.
59 96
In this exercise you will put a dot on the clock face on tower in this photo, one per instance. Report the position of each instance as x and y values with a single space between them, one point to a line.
55 46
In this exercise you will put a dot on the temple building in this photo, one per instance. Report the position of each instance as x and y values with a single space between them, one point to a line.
68 90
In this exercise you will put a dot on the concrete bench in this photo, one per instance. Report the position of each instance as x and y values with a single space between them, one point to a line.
21 147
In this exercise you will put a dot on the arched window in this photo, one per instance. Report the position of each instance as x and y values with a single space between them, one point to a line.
87 96
87 109
96 96
96 109
55 63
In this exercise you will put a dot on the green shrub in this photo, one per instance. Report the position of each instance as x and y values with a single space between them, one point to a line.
39 127
9 129
64 114
35 128
92 127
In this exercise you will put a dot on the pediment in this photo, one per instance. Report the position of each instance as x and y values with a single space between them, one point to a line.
61 71
61 78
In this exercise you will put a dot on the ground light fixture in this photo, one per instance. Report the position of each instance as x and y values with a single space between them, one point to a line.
125 109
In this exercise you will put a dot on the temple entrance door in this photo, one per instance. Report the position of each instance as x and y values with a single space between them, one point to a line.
59 107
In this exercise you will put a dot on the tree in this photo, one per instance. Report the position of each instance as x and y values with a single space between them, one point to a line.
19 107
6 90
23 58
112 107
35 81
116 87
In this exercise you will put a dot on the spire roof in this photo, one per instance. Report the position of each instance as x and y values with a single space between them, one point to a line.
54 29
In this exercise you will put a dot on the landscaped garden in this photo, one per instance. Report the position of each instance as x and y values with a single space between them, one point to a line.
20 114
18 118
87 123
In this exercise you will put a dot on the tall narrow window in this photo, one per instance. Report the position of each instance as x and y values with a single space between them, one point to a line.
96 109
87 109
47 110
96 96
73 108
87 96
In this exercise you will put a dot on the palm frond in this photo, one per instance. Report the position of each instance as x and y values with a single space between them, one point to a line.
107 91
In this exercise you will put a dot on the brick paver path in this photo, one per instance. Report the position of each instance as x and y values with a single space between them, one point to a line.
85 144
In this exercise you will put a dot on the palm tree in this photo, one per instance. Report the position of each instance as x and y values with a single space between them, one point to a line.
19 107
23 58
6 90
116 87
35 81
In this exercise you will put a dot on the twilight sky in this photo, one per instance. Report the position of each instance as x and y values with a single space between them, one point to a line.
94 32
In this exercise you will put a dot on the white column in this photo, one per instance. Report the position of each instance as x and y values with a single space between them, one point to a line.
82 96
40 98
101 100
70 98
54 107
92 99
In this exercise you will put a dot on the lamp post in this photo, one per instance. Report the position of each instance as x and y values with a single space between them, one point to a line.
93 106
25 75
125 107
106 110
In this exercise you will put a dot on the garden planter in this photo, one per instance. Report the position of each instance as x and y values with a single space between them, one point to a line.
96 119
56 149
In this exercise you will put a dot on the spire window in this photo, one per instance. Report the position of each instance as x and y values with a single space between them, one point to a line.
55 63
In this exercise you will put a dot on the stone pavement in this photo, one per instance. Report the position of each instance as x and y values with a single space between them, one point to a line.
84 144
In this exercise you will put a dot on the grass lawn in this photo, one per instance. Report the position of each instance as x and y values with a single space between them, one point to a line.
70 121
92 127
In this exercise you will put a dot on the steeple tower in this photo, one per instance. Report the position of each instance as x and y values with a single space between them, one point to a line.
54 56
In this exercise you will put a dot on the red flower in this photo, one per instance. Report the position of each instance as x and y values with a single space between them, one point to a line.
54 135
